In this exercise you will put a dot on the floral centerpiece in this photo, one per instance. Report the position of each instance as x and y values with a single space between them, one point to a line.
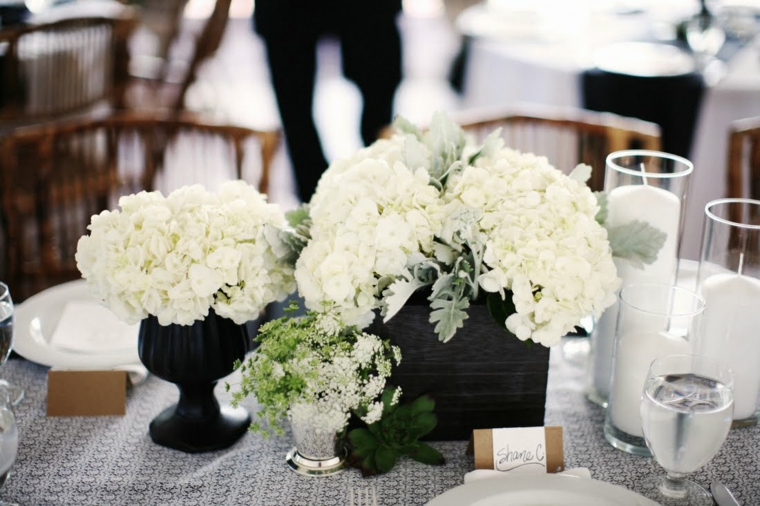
180 256
193 267
431 210
316 372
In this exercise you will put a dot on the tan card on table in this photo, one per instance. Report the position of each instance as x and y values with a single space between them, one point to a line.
86 393
519 450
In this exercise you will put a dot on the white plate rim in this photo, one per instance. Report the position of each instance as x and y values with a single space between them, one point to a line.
36 350
609 58
470 493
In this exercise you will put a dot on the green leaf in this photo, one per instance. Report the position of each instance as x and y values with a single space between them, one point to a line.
638 242
448 315
385 458
386 398
601 215
423 404
298 216
500 309
427 455
364 440
369 466
422 424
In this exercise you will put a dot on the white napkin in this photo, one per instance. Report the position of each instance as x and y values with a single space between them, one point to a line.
137 373
480 474
86 326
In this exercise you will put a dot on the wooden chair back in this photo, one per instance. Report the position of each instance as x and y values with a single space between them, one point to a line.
162 19
64 68
743 174
56 176
165 88
566 137
208 42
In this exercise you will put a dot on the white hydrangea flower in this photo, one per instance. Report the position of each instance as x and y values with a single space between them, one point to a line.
543 242
370 213
434 196
179 256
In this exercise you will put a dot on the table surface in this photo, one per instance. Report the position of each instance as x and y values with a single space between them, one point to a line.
112 460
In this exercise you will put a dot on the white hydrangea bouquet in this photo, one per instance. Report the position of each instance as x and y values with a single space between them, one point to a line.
431 210
316 372
177 257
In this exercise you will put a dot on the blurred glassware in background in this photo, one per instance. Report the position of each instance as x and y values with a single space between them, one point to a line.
705 35
8 440
6 340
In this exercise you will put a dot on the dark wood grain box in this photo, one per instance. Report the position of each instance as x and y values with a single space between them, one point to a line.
482 378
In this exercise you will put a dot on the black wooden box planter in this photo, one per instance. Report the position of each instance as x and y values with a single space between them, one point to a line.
484 377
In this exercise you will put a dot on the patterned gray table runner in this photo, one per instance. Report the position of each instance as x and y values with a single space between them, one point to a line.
112 461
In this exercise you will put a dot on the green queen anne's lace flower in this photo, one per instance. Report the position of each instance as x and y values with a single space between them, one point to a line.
314 369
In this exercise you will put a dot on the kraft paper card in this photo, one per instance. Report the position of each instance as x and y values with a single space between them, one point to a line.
86 393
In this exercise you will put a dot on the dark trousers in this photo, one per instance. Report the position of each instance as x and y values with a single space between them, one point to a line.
371 53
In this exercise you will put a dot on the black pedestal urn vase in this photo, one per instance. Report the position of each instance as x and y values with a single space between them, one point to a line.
195 357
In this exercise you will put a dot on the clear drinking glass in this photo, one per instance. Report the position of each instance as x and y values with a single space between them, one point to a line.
15 392
686 413
8 440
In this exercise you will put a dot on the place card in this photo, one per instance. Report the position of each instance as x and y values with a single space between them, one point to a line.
86 393
519 450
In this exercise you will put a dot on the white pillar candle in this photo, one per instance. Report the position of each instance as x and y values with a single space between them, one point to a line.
657 207
731 333
634 355
662 209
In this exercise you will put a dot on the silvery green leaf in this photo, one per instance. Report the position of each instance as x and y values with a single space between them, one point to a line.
396 295
460 225
403 125
637 241
446 134
416 258
581 173
444 253
448 315
443 285
295 244
491 145
414 153
601 215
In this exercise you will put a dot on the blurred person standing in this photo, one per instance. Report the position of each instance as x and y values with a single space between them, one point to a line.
371 52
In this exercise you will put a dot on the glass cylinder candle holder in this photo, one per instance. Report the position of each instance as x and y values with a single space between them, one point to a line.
641 186
653 320
729 281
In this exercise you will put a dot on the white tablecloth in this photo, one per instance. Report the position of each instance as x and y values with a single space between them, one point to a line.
545 66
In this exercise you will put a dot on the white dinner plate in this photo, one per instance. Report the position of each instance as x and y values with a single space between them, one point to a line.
36 319
540 490
644 59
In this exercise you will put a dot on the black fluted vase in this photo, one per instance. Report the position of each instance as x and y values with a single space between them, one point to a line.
195 357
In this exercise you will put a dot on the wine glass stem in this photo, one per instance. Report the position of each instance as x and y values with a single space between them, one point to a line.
673 486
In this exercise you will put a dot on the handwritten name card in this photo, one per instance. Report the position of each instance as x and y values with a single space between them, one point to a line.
521 450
